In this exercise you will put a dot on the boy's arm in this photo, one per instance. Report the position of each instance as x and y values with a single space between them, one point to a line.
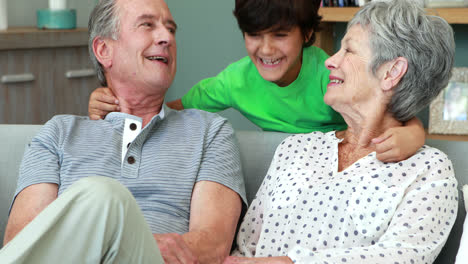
176 104
211 94
400 143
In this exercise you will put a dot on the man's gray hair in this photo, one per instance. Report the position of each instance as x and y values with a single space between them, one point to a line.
103 22
401 28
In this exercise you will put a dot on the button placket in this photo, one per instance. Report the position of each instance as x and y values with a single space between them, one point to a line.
131 163
131 130
133 155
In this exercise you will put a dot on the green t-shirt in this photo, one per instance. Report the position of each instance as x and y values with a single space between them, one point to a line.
297 108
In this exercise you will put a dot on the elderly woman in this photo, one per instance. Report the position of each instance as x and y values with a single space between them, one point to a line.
326 198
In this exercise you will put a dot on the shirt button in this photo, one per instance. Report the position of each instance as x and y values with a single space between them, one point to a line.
131 160
133 126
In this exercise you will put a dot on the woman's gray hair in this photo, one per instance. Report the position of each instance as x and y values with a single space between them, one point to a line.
401 28
103 22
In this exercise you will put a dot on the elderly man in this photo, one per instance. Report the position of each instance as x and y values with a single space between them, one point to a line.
181 169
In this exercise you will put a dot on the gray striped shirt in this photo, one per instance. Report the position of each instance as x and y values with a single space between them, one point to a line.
160 167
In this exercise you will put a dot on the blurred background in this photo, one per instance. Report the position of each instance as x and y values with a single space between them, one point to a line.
208 40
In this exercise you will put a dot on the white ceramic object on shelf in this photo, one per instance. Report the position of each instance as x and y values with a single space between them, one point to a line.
3 15
57 4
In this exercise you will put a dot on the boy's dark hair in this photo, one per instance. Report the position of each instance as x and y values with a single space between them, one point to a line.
254 16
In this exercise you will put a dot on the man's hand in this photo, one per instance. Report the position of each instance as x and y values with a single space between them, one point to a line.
244 260
174 249
101 102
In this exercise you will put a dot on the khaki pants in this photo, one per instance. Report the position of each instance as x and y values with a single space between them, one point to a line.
96 220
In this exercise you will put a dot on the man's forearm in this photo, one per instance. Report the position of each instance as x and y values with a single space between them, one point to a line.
196 247
214 213
209 247
27 205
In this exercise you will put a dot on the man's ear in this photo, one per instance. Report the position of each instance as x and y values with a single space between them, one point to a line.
394 71
103 51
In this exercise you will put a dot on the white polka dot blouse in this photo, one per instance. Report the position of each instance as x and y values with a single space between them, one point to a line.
371 212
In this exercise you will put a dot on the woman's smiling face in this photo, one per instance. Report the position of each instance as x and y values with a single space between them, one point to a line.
351 79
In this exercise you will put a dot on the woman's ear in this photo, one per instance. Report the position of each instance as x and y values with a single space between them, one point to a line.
103 52
395 70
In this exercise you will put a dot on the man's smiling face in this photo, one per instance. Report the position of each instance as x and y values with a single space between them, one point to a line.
145 51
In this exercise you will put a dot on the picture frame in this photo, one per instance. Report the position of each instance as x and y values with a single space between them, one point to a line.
445 3
448 113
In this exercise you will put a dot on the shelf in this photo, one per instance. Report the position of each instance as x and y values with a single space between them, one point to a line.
337 14
32 37
344 14
447 137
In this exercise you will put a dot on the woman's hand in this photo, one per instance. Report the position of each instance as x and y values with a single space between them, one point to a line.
400 143
244 260
101 102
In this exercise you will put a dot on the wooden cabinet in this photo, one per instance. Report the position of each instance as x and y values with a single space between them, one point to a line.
44 73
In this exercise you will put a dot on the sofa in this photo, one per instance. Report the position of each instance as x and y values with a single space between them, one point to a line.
257 149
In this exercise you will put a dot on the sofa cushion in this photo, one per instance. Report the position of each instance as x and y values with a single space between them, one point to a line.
257 150
13 139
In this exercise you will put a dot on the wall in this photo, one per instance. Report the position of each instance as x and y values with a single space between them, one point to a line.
208 40
23 12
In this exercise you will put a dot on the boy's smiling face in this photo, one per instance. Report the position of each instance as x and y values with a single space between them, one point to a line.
276 54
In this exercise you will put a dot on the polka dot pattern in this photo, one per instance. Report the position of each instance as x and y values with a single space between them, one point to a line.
371 212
